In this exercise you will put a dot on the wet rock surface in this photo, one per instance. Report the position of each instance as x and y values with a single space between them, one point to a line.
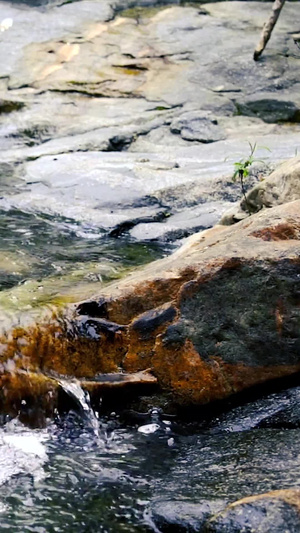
276 511
182 516
203 347
256 471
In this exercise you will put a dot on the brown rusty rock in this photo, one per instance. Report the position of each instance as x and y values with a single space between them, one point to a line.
219 315
33 396
81 348
195 381
116 390
126 304
160 281
142 335
235 300
118 380
280 232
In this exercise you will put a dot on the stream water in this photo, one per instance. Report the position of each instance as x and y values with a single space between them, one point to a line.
84 473
48 261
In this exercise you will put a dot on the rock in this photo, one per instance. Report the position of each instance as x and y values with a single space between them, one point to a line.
194 126
154 75
269 108
209 467
282 186
275 511
33 396
219 315
157 56
211 338
155 196
287 414
8 106
182 516
181 224
276 410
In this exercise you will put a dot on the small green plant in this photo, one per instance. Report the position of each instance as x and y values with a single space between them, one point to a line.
242 168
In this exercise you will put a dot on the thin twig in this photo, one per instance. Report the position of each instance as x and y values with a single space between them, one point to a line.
267 29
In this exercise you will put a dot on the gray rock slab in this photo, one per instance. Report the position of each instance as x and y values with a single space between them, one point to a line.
160 55
181 224
60 123
191 185
87 79
31 25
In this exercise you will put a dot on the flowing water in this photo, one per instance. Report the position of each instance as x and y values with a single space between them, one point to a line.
84 473
48 261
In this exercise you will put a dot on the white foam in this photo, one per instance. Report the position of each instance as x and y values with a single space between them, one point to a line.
5 24
28 444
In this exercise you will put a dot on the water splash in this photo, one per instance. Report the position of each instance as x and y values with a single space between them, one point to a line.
82 400
22 451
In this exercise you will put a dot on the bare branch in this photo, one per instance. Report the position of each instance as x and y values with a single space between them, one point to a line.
268 27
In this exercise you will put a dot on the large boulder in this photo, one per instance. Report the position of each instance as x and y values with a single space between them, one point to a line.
219 315
283 185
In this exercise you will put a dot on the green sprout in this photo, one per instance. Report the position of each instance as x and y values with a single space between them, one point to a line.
242 170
